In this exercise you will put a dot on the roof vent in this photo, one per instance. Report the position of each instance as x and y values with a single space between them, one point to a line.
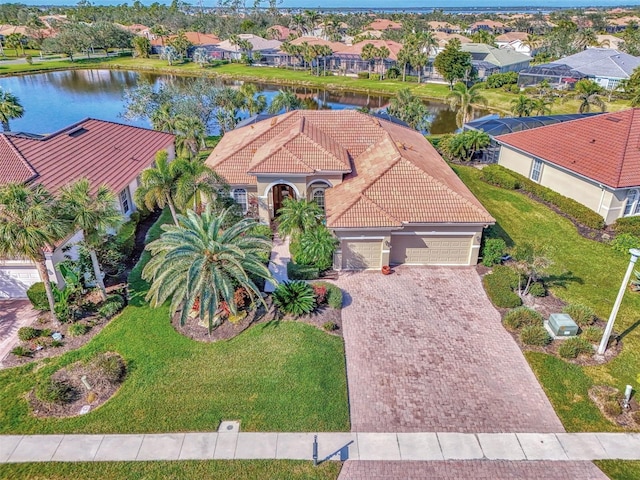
614 119
76 132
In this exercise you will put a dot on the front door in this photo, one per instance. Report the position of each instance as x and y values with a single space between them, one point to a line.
280 193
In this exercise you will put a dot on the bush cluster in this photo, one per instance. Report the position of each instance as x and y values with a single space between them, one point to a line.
38 296
522 317
581 314
363 75
111 306
498 80
21 351
77 329
111 366
627 225
295 298
499 286
575 346
333 294
493 251
28 333
125 239
535 335
330 326
262 230
613 408
54 391
592 334
302 272
575 210
624 242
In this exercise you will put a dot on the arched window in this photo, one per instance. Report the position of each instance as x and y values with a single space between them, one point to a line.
632 206
318 197
240 196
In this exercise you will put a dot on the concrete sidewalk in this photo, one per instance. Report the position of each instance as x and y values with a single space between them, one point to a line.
280 256
331 446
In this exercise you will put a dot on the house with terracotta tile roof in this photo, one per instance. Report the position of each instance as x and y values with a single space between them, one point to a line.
384 24
104 152
388 195
594 160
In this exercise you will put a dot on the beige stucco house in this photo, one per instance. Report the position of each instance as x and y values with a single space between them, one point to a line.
388 196
594 160
103 152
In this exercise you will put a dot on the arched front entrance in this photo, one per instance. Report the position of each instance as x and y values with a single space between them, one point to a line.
279 193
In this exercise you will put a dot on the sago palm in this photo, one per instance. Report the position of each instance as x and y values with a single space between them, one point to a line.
462 98
297 216
158 185
10 108
92 212
200 261
30 224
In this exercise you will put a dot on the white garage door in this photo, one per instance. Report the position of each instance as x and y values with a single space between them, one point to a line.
430 250
361 254
15 280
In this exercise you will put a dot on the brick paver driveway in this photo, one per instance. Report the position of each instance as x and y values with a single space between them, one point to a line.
426 352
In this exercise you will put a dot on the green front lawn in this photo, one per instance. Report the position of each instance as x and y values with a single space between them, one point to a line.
284 376
184 470
584 271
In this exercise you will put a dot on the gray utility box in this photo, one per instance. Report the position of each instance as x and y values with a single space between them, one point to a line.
562 325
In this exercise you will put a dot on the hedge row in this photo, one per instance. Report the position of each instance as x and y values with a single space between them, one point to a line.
499 285
630 225
505 178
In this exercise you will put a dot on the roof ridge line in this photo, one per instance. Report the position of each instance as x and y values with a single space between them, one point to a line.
22 158
363 197
324 134
626 146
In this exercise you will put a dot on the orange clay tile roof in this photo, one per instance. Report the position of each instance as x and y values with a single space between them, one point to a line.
604 148
104 152
392 173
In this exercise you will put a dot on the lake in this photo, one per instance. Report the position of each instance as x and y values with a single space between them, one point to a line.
55 100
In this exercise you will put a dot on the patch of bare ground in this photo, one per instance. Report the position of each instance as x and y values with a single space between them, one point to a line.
610 401
89 385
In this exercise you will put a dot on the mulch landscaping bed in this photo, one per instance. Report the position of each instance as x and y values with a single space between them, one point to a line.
628 418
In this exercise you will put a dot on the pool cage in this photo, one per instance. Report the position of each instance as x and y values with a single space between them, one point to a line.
559 75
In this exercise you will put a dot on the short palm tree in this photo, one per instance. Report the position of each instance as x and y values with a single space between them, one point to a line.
522 106
200 262
298 216
316 247
251 101
92 212
462 98
158 185
30 224
163 119
10 107
587 92
196 185
190 135
284 100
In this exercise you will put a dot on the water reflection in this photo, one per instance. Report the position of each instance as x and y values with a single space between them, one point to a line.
56 99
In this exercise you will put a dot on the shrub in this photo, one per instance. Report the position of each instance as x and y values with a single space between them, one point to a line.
535 335
111 306
320 291
498 80
54 391
334 295
363 75
627 225
411 78
581 314
28 333
262 230
38 296
316 248
393 73
125 239
21 351
240 297
493 250
29 59
497 175
522 317
625 241
575 346
111 366
537 289
330 326
77 329
374 76
613 408
47 332
57 343
592 334
499 286
294 298
302 272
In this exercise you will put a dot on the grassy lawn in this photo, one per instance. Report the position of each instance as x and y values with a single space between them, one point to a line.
187 470
620 470
274 377
584 271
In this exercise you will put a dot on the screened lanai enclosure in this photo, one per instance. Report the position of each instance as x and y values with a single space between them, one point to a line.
558 75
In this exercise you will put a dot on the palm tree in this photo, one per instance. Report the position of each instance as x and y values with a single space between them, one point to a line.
298 216
284 100
251 102
190 135
532 42
475 140
30 225
10 107
198 261
522 106
158 185
196 185
163 119
93 213
541 106
463 98
587 92
427 42
584 38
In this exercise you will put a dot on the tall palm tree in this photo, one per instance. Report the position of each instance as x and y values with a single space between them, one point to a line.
29 225
199 262
190 135
158 185
587 92
92 212
284 100
251 101
10 107
298 216
462 98
522 106
196 185
427 42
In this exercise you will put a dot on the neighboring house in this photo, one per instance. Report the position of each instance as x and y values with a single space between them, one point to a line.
609 41
488 60
384 24
261 46
444 38
606 66
594 160
444 27
104 152
491 26
279 32
616 25
388 195
515 41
